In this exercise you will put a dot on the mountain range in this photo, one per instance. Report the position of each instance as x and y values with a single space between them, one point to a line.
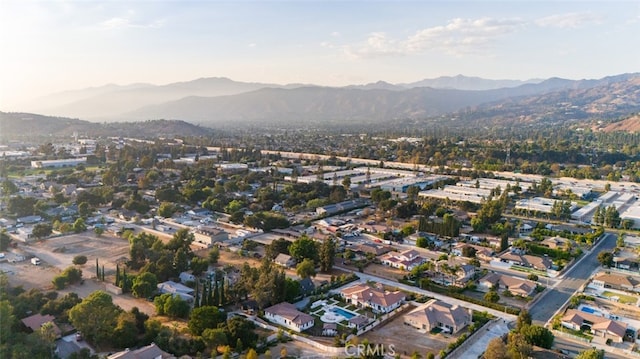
217 102
28 126
116 102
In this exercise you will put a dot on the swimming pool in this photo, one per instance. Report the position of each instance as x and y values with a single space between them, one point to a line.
343 313
588 310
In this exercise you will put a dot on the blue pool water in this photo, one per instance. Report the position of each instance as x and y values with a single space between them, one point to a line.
343 313
588 310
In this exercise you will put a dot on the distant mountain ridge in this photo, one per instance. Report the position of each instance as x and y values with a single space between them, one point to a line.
461 82
15 125
609 99
216 102
306 105
110 101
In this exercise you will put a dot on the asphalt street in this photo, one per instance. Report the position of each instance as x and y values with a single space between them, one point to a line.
571 281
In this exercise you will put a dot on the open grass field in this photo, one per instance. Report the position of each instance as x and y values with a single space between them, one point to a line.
622 298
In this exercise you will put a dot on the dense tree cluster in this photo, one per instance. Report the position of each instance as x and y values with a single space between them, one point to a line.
490 212
520 342
148 253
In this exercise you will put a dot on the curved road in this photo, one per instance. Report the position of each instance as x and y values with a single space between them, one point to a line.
544 309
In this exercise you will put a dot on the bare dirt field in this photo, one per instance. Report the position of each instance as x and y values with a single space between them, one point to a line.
59 251
236 260
124 301
57 254
622 310
29 276
384 271
406 339
298 349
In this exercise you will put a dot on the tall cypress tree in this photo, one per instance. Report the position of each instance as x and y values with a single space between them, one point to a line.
103 272
117 275
196 303
222 294
210 295
215 298
97 269
203 296
125 281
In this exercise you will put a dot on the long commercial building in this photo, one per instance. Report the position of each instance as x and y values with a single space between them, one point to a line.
458 194
70 162
539 204
492 183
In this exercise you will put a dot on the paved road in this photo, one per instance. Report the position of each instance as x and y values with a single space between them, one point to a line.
573 279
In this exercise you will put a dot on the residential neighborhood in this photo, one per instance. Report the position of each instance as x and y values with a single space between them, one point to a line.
285 259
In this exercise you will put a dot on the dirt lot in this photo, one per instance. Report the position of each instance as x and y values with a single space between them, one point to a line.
384 271
622 310
298 349
125 301
29 276
377 270
406 339
238 261
57 254
59 251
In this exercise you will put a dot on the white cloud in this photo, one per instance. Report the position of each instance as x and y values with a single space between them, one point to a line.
335 34
570 20
458 36
126 23
253 44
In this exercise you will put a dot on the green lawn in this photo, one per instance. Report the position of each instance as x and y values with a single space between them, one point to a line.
624 299
577 333
528 270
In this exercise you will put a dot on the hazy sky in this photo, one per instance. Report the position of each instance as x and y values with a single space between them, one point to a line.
51 46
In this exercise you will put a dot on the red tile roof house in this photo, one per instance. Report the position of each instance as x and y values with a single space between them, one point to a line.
288 316
151 351
526 260
482 253
599 326
380 301
406 260
615 281
36 321
438 314
285 260
517 286
442 275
